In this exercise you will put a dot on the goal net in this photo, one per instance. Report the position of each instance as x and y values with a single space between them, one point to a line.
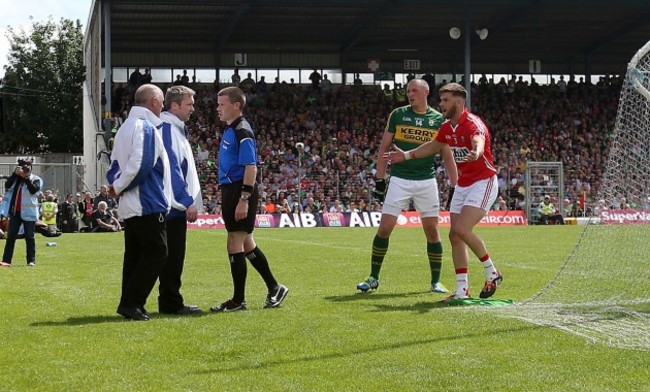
602 291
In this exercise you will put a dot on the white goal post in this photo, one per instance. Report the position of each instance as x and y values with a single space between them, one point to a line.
640 77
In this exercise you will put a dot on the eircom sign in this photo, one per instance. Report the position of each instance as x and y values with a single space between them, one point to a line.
356 219
493 218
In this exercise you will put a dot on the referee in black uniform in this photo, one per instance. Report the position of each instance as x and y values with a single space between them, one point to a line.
237 174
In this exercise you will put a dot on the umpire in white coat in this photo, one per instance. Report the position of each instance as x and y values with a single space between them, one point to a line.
140 176
186 201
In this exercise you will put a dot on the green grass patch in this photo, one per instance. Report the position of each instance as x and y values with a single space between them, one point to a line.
60 330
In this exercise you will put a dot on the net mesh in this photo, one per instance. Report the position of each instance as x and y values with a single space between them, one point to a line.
602 292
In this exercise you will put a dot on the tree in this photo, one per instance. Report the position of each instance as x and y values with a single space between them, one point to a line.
42 89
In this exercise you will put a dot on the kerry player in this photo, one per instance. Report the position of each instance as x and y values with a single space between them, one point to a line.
409 127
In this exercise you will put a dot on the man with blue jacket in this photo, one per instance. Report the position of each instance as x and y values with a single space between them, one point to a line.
20 205
140 176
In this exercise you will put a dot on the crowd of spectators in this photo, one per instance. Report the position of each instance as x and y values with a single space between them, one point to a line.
81 212
318 142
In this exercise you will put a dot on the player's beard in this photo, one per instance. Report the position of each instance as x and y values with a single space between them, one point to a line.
451 112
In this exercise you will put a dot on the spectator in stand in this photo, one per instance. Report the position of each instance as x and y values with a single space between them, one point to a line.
146 78
568 209
211 205
337 206
69 215
270 206
261 87
103 196
247 84
325 85
135 80
49 212
185 80
410 77
431 81
235 78
315 78
500 204
548 214
86 209
104 221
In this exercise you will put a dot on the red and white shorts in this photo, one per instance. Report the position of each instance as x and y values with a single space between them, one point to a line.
481 194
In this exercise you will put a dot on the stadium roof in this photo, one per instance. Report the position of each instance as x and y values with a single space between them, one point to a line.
579 36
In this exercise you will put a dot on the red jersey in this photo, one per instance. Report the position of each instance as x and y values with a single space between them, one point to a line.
459 138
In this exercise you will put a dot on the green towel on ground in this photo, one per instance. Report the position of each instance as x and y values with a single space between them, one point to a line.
480 301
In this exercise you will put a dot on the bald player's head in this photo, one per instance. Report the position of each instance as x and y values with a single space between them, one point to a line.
421 83
150 97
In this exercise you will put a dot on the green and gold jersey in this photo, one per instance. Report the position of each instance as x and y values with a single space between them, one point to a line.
412 129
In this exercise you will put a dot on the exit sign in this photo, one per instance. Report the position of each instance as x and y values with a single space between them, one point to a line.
411 65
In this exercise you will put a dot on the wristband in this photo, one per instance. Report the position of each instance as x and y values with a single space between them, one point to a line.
408 155
247 188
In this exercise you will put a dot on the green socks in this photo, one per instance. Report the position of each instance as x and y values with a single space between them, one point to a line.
379 249
434 252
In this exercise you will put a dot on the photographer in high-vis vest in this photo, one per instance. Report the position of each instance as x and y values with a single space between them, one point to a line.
20 205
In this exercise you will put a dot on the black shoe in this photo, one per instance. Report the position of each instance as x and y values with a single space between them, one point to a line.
186 310
229 306
133 314
490 286
276 296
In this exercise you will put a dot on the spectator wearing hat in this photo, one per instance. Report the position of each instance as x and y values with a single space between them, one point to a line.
548 213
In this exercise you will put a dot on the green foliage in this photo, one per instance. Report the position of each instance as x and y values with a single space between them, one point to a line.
60 331
42 89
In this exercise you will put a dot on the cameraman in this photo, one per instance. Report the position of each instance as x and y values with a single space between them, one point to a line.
20 205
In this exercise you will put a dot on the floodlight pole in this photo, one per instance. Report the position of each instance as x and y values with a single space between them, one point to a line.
468 82
108 70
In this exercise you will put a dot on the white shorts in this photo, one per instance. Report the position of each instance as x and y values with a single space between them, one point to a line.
423 192
481 194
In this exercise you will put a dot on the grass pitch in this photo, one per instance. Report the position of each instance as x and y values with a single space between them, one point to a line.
60 331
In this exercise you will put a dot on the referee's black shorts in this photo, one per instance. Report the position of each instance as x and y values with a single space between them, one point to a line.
230 194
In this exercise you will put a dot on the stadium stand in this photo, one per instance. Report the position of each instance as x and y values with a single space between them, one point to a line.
340 130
